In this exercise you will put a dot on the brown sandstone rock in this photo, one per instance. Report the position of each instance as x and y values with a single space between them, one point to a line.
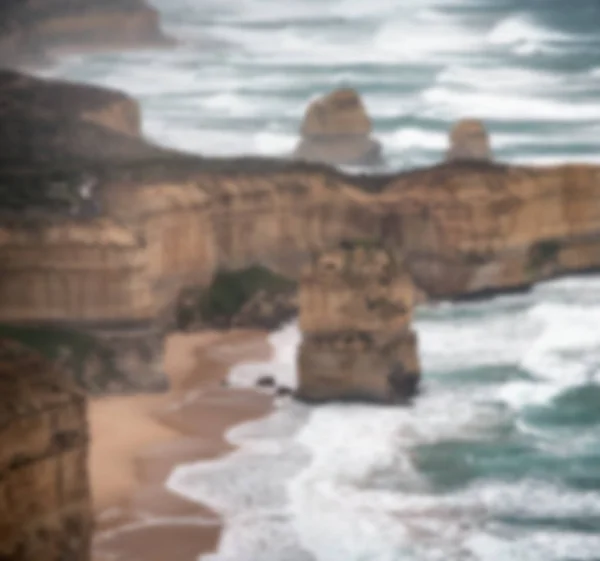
336 129
45 512
355 312
107 108
474 229
469 141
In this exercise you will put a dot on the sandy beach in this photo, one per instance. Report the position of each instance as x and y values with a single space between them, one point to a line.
137 440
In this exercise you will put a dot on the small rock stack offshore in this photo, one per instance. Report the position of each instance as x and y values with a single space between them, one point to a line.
356 305
337 130
469 142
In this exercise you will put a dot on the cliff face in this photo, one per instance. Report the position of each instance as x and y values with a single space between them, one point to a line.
355 314
45 512
473 228
35 30
101 229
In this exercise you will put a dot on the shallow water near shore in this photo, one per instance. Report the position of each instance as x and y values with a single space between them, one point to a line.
499 458
244 71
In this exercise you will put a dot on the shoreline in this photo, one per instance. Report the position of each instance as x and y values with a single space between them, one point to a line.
137 440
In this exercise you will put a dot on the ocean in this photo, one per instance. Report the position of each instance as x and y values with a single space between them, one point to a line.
498 459
245 71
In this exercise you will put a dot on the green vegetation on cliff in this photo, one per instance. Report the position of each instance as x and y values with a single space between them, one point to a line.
542 254
230 290
77 352
228 293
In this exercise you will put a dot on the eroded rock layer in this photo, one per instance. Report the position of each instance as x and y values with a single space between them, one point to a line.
45 512
356 307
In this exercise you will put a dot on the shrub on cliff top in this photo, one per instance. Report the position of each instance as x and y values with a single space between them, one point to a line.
230 290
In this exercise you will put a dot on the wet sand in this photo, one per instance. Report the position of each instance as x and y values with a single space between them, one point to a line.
138 440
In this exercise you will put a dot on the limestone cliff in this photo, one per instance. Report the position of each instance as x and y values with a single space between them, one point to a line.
337 130
474 228
32 31
45 511
356 307
100 229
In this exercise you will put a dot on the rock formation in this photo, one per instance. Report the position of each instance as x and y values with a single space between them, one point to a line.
469 142
45 511
68 101
472 229
356 307
32 31
336 130
102 230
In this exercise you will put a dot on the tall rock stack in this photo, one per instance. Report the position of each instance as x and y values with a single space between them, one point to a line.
469 142
45 512
356 306
337 130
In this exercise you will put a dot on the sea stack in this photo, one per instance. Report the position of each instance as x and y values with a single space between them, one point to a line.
469 142
45 511
337 130
356 305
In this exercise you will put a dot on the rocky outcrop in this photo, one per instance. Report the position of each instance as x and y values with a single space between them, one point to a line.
45 511
469 142
356 307
337 130
33 31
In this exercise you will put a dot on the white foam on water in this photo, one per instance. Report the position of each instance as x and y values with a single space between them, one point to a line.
274 143
231 104
282 366
524 36
339 482
411 39
443 102
489 78
411 138
190 138
542 160
568 349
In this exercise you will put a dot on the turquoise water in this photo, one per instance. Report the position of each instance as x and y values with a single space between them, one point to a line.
499 458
